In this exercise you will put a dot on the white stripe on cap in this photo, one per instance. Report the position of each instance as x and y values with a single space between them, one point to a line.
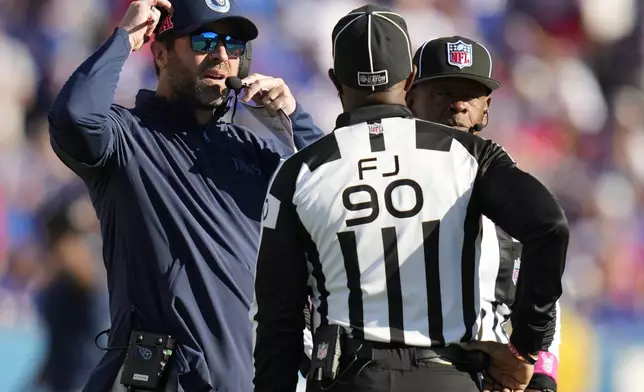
490 57
360 15
373 88
389 13
379 14
420 61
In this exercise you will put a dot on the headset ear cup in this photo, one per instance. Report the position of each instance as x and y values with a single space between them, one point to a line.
244 61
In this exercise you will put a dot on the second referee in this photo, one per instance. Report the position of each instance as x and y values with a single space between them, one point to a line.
381 219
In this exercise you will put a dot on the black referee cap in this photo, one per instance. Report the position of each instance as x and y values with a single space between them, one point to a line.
190 15
454 57
371 49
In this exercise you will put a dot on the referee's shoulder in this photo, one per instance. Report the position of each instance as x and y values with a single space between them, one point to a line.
476 145
316 154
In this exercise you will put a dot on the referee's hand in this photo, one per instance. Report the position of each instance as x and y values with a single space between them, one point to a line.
506 372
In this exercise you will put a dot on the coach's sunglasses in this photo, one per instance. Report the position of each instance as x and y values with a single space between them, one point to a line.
207 42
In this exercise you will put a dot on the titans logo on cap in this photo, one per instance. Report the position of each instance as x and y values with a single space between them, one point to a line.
459 54
222 6
166 24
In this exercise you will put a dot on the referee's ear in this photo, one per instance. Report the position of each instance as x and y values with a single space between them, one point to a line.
335 82
409 82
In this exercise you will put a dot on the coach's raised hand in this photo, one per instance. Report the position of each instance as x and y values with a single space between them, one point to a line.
141 18
272 93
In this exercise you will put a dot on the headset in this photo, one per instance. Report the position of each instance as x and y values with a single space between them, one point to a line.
242 72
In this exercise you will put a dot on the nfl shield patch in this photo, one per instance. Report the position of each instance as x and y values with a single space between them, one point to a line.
459 54
323 349
375 128
515 271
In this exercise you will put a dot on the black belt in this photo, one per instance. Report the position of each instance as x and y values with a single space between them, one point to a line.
474 361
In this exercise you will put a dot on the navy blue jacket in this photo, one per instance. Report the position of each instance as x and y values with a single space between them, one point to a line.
179 206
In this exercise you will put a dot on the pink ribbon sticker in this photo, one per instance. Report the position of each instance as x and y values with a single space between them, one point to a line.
547 364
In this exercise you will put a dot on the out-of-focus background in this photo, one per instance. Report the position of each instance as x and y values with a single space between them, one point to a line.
570 111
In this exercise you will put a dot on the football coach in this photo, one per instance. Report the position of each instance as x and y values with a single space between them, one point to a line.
178 192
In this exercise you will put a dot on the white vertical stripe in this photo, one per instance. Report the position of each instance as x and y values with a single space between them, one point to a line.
485 332
354 141
490 259
342 30
373 280
477 282
411 256
373 88
389 13
420 60
399 134
411 63
490 57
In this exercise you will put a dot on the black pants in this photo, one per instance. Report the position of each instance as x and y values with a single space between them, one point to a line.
396 370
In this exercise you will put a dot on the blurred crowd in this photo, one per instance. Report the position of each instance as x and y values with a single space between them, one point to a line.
570 111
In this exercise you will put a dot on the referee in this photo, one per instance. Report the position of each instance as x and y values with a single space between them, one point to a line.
381 219
453 87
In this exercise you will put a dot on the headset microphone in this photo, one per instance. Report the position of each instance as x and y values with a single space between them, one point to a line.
235 83
476 128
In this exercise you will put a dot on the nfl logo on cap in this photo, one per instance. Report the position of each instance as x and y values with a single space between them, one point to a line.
459 54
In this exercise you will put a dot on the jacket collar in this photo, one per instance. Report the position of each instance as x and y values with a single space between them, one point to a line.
173 111
372 112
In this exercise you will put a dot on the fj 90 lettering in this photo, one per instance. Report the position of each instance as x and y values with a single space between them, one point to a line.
373 204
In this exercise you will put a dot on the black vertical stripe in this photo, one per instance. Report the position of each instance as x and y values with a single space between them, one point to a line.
320 280
471 230
495 323
349 249
394 290
479 335
326 151
431 234
504 287
313 257
431 136
377 142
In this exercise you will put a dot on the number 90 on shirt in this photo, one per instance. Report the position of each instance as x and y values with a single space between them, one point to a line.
373 205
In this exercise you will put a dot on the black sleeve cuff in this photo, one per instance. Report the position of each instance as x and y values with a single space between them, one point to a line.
542 382
526 340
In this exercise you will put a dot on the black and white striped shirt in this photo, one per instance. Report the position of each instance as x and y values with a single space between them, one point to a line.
382 220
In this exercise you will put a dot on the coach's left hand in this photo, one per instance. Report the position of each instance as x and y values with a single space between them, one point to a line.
272 93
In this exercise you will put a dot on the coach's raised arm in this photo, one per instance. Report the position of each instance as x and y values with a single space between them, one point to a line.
178 191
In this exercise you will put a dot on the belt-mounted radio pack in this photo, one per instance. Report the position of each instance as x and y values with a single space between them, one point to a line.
146 361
